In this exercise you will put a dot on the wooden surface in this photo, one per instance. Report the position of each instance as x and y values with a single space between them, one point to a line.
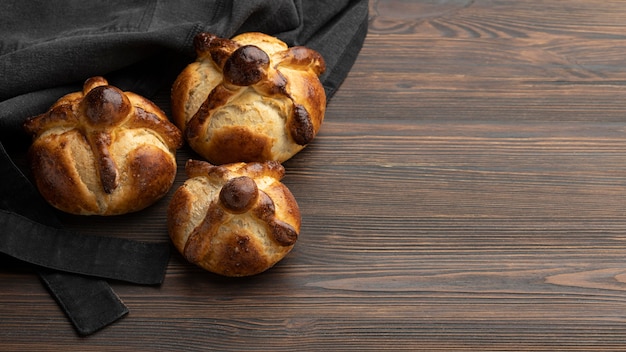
467 192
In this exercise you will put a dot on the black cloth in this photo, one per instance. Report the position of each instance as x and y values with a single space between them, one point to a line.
49 48
100 256
90 304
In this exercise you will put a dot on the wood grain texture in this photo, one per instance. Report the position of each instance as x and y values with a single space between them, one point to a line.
467 192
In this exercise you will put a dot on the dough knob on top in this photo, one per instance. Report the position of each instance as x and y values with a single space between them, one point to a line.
239 194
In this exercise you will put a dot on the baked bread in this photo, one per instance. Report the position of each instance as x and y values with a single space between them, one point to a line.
103 151
251 98
234 219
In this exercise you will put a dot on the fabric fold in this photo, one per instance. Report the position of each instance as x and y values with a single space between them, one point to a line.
89 304
100 256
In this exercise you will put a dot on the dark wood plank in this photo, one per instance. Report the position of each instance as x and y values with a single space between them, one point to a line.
467 192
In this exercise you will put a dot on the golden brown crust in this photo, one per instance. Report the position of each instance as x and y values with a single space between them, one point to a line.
103 151
234 219
251 98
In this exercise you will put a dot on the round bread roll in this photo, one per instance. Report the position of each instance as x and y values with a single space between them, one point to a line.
251 98
235 219
103 151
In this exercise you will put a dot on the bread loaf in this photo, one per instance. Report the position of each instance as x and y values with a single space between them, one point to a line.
102 151
234 219
249 98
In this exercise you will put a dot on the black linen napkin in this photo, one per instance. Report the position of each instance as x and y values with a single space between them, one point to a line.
49 48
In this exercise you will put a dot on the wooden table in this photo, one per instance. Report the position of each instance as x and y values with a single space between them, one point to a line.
467 192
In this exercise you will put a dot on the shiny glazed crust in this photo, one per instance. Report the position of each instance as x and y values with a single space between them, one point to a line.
251 98
103 151
235 219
